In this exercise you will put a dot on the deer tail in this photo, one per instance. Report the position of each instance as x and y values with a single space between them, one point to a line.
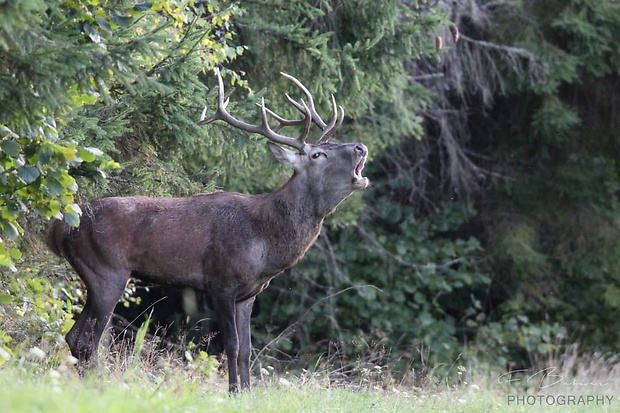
54 234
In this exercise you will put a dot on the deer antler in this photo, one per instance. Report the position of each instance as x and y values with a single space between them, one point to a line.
262 129
328 129
308 110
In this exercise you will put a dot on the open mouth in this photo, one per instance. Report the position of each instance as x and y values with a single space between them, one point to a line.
357 173
360 182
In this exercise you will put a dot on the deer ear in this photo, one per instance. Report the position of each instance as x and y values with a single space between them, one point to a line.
283 155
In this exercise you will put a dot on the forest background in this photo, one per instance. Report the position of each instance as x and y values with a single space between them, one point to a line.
490 231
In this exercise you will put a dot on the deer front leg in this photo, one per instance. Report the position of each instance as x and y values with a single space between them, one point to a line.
224 306
244 312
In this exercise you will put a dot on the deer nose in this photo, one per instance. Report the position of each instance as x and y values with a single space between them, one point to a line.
361 149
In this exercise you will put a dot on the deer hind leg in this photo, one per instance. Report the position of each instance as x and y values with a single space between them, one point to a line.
104 289
78 349
243 314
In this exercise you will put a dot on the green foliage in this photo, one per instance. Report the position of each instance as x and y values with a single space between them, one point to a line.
80 73
425 279
554 122
393 284
356 50
515 245
590 31
35 309
34 176
553 226
517 340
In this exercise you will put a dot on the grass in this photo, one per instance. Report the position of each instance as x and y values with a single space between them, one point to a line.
21 392
39 383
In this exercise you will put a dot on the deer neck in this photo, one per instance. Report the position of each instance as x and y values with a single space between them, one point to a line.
305 202
289 222
299 202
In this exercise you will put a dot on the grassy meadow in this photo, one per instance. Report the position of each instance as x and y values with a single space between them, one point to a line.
22 392
37 382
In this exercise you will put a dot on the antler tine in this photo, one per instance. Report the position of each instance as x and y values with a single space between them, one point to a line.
315 116
282 122
334 124
328 129
263 129
221 103
307 125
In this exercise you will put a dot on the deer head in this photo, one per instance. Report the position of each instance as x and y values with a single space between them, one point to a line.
329 171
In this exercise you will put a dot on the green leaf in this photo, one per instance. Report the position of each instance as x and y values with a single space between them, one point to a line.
10 230
5 298
110 165
11 148
121 20
143 6
68 182
44 156
104 24
15 253
92 33
73 208
72 218
66 198
89 154
11 210
54 187
54 208
68 152
5 260
28 173
85 155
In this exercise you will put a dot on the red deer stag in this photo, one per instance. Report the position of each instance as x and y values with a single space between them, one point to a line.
228 245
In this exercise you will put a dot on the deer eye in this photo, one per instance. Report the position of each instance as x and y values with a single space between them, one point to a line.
317 154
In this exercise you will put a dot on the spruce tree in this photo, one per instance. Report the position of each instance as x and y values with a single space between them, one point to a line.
83 77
